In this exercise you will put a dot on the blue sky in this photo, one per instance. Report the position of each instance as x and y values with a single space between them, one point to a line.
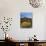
26 14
